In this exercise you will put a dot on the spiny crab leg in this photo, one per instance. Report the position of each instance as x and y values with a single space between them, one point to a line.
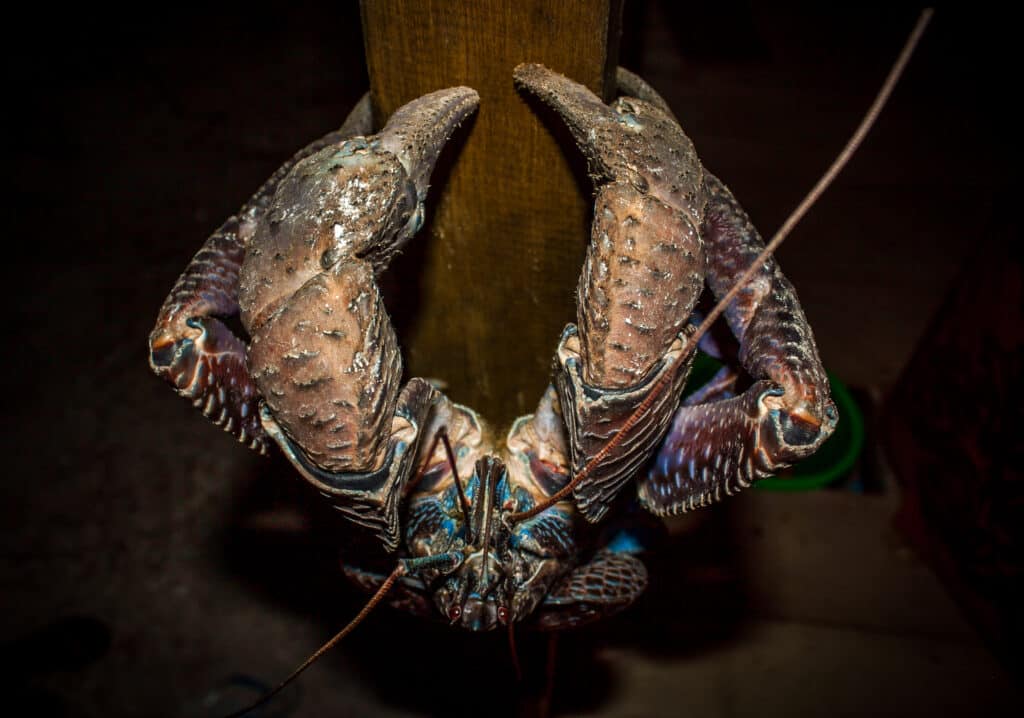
636 146
190 346
723 446
786 416
640 281
324 355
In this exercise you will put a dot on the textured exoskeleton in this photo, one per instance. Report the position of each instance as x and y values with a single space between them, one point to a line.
322 375
663 228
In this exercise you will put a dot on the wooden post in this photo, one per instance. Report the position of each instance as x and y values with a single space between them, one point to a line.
492 282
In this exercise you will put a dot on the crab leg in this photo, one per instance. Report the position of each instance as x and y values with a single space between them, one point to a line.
723 446
324 355
721 442
627 314
610 582
190 346
640 281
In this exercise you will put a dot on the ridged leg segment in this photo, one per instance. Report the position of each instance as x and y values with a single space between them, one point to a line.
721 446
593 416
602 587
371 498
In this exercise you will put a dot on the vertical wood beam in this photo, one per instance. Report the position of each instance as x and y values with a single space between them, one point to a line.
491 283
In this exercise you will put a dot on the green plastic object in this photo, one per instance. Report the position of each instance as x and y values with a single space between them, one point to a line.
831 462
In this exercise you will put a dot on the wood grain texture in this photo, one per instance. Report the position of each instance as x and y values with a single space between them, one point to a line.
489 286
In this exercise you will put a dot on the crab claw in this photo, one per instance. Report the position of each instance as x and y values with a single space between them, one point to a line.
645 265
324 354
416 132
630 140
361 198
643 273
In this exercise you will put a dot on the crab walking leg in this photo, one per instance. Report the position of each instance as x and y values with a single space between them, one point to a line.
721 447
190 346
607 584
776 342
641 278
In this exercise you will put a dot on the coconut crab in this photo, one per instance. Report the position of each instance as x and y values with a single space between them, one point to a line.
491 534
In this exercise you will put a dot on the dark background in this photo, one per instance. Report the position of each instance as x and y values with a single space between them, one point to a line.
149 563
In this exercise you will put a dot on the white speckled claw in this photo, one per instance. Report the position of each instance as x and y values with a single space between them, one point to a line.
417 132
324 355
352 201
720 443
663 227
298 266
190 346
642 276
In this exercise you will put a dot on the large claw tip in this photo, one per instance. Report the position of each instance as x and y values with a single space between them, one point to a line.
530 74
576 104
633 140
417 131
611 141
579 108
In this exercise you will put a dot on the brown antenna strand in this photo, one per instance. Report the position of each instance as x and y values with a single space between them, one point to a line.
512 650
463 501
852 145
370 605
826 179
441 435
423 467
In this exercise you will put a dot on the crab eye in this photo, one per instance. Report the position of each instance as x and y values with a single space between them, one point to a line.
502 615
455 612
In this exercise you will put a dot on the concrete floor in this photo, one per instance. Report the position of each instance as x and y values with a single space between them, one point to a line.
150 566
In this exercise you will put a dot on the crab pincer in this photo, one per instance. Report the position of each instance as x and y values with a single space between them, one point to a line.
324 354
322 373
191 347
663 226
641 279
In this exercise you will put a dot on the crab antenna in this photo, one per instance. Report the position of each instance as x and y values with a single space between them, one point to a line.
826 179
513 651
370 605
442 436
423 469
463 501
